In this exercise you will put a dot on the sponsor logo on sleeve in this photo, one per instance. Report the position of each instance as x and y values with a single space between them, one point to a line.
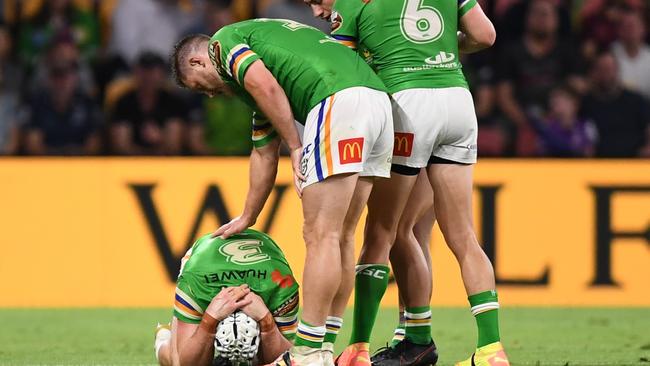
336 20
214 52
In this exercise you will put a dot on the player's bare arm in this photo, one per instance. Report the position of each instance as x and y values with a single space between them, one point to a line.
263 170
196 342
477 31
273 102
272 342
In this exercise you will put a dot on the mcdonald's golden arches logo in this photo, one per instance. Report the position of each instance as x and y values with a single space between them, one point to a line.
351 150
403 144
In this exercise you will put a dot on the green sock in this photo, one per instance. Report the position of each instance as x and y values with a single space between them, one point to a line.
369 287
418 324
485 308
309 336
398 334
332 325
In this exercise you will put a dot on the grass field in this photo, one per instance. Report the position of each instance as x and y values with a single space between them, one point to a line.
533 336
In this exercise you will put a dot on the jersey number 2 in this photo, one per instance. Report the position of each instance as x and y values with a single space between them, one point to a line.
244 252
421 23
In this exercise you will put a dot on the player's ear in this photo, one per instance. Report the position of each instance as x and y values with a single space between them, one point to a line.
196 61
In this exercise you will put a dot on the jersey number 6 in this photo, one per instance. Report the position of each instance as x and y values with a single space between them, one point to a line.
421 23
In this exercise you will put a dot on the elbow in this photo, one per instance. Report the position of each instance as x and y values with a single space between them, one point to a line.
487 38
482 34
266 88
493 37
271 91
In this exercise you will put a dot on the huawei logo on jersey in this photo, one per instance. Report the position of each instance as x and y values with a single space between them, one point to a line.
336 20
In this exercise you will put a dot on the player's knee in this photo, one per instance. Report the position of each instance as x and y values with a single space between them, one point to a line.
404 231
348 266
382 228
376 246
462 242
319 234
347 240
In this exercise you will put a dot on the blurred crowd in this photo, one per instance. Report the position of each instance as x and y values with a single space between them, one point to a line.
90 77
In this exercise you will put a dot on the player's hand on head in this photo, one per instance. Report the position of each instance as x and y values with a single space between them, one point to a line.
256 309
298 176
227 301
235 226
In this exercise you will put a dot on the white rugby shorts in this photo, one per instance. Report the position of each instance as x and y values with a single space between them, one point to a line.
434 122
350 131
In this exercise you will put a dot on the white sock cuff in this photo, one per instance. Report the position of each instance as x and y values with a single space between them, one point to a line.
304 329
333 324
157 350
409 316
481 308
163 337
334 320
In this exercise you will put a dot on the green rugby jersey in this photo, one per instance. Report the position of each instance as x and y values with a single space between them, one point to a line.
409 43
251 258
308 64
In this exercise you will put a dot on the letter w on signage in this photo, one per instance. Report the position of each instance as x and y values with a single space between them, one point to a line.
212 202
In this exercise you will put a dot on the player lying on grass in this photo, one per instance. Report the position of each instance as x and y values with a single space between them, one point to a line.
286 71
246 272
415 50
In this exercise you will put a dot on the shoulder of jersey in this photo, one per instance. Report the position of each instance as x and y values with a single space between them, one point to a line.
336 19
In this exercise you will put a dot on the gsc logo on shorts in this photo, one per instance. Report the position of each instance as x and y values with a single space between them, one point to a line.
351 150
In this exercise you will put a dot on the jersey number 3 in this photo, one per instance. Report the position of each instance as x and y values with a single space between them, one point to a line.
244 252
421 23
